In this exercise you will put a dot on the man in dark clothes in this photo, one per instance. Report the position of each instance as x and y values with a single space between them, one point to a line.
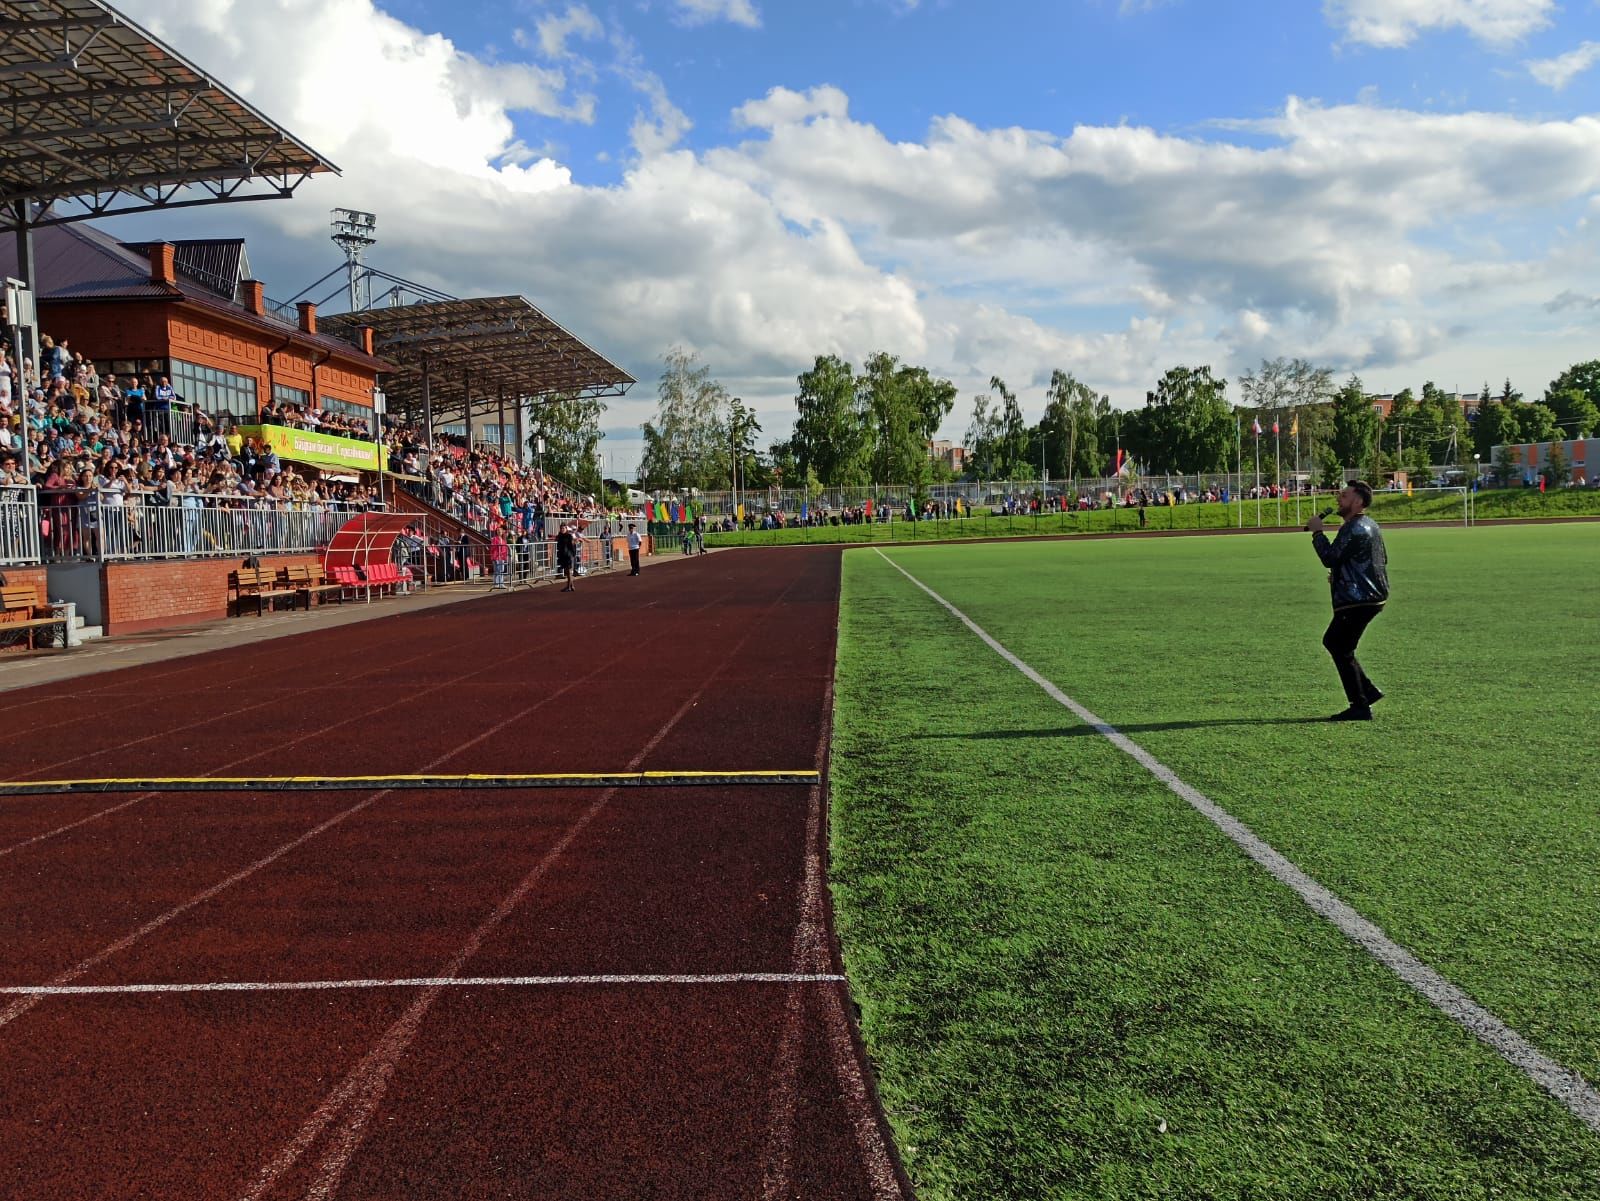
567 555
1358 574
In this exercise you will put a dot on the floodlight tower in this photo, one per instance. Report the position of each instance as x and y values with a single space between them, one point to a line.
353 232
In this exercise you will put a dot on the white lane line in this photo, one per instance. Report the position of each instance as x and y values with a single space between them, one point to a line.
261 986
1568 1087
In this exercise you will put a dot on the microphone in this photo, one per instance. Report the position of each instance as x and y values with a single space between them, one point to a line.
1323 516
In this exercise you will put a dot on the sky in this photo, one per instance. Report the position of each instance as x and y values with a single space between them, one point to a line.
1406 189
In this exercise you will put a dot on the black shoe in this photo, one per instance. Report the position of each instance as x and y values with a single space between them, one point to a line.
1372 695
1353 713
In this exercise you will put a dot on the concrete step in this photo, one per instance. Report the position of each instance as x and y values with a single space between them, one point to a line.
86 633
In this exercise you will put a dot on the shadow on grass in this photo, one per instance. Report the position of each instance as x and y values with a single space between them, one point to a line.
1081 731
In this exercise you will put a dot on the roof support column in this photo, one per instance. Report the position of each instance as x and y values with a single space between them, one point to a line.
500 429
522 437
427 403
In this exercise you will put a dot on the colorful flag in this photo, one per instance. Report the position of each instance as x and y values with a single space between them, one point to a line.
1294 426
739 511
683 515
868 508
1255 427
661 512
1541 483
1274 427
805 510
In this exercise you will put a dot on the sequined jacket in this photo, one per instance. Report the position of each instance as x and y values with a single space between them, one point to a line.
1358 565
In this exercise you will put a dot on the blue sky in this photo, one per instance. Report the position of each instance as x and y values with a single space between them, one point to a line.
1408 189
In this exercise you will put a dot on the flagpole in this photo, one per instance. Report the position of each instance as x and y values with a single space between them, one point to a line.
1238 436
1297 467
1277 462
1257 432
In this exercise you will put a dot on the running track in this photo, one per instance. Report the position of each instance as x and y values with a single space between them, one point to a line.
448 1057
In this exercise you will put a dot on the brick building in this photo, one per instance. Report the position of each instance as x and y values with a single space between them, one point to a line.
189 311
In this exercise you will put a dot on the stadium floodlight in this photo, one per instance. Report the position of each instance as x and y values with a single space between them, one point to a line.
353 232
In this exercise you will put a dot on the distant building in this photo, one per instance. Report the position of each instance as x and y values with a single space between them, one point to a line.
948 452
1530 459
1469 402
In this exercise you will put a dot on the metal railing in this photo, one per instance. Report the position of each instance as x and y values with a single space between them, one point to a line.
19 525
107 527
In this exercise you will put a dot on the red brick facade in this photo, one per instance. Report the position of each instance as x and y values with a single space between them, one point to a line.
159 595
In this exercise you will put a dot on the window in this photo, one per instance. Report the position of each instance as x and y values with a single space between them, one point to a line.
345 408
284 395
220 393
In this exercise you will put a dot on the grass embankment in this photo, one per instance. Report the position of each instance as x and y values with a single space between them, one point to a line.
1441 507
1073 986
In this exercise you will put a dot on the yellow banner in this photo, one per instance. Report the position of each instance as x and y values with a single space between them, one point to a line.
320 450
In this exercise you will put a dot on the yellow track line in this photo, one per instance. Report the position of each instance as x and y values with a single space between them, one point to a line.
429 781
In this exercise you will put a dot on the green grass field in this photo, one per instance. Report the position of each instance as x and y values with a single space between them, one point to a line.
1074 986
1443 507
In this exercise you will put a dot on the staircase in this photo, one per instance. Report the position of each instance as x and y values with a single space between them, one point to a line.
434 519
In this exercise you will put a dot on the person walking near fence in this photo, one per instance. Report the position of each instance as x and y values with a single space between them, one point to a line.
499 556
566 555
634 543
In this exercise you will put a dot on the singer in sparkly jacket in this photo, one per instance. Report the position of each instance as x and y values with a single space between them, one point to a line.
1358 575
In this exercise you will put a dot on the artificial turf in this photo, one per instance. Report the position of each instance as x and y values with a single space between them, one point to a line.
1073 986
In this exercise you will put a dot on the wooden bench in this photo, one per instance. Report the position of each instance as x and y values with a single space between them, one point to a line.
309 581
260 584
20 610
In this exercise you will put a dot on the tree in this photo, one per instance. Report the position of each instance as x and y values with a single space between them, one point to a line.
1536 423
1071 428
1576 413
829 435
1557 468
684 447
1495 425
1186 425
1508 463
983 439
739 435
1330 472
570 427
1355 424
1011 441
1580 379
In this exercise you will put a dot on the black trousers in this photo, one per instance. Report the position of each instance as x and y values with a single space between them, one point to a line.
1344 634
633 561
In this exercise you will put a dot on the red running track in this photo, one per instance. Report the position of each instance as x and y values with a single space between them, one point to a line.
149 1048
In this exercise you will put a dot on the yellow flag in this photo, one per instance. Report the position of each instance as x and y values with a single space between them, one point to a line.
1294 426
739 512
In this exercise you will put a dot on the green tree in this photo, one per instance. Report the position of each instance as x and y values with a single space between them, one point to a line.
1508 464
983 439
1576 413
830 437
1330 472
1580 379
1186 425
684 447
739 435
1011 450
570 427
1536 423
1557 468
1495 425
1355 424
1071 428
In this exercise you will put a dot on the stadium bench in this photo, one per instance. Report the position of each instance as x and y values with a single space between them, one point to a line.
309 581
20 611
261 585
350 583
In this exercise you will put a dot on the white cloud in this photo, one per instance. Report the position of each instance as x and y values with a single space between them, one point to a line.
1392 23
576 22
703 12
1558 72
781 106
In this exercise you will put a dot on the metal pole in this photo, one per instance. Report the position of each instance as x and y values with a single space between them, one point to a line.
427 403
500 430
522 435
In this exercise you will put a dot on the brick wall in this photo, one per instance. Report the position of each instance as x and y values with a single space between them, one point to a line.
153 596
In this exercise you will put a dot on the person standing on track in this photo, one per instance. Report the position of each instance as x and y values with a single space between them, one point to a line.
1358 572
634 543
567 555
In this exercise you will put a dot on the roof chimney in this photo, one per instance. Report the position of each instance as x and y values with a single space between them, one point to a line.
366 339
308 316
163 263
255 296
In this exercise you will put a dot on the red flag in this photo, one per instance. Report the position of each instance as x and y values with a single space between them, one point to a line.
1120 455
868 508
1255 427
1274 429
1541 483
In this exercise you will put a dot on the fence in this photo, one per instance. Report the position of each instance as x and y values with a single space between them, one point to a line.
89 526
19 525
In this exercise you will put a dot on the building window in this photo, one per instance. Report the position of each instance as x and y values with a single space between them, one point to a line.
220 393
282 394
363 414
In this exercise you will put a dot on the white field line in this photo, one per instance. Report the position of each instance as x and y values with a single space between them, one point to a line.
267 986
1568 1087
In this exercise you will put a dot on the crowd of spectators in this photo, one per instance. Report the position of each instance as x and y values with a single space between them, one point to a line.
97 442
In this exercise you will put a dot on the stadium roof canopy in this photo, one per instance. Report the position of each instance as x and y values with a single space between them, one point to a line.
97 117
479 348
